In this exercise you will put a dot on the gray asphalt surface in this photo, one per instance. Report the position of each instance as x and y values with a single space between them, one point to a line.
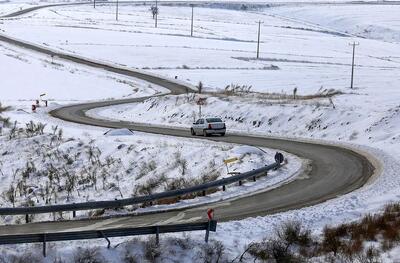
335 170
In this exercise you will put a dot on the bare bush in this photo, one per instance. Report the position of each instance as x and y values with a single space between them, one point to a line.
25 257
180 162
150 185
33 129
151 250
212 252
146 168
88 255
131 258
2 110
183 243
235 89
274 250
292 233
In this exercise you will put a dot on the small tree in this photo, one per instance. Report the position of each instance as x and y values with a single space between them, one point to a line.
3 109
154 11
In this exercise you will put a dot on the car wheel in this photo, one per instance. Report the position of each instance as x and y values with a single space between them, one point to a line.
192 132
205 133
223 134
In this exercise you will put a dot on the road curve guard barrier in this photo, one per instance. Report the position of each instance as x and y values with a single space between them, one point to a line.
43 238
139 199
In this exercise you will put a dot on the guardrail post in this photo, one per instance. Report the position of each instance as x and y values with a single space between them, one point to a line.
106 238
254 178
27 218
208 231
73 214
44 245
204 193
240 182
157 235
223 188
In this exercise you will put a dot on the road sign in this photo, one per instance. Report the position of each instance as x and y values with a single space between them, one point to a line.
231 160
201 101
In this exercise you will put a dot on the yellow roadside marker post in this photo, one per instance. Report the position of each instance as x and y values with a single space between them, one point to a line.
228 161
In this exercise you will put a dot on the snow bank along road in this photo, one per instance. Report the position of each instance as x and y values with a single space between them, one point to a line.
335 170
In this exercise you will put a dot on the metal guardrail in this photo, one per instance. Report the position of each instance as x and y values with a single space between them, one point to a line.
211 225
140 199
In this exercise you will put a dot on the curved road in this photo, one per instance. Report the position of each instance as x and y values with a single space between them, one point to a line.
335 170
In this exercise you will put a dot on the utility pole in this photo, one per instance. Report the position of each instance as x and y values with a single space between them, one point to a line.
156 14
354 44
258 39
191 26
116 12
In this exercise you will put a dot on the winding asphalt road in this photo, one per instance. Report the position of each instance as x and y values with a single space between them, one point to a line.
334 170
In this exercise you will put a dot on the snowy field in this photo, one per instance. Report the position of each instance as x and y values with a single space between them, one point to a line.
308 54
302 46
32 74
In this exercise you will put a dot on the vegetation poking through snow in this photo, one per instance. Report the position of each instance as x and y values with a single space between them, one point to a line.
361 241
170 249
357 242
3 109
282 97
39 166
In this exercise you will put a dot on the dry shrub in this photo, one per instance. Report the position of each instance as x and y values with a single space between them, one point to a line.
331 241
151 250
273 250
88 255
25 257
212 252
292 233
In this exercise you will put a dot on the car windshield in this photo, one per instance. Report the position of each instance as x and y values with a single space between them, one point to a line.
214 120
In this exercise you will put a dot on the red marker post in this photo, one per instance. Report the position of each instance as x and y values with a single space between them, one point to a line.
210 215
33 108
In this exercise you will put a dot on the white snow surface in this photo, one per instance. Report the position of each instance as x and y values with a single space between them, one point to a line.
310 49
309 45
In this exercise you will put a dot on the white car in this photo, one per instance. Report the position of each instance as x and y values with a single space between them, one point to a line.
208 126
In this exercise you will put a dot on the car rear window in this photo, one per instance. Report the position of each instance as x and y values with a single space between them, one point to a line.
214 120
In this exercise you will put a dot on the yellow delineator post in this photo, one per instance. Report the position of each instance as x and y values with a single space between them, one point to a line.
230 160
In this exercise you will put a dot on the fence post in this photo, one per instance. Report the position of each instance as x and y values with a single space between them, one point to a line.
204 192
44 245
223 188
240 182
254 178
73 214
157 235
27 218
